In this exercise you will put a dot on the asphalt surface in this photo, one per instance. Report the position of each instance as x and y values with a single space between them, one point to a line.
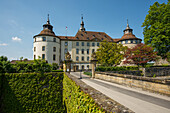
135 99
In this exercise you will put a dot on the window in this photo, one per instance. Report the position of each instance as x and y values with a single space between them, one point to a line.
131 41
43 38
82 51
54 49
77 58
34 57
77 43
65 51
77 67
81 34
82 67
77 51
82 43
77 38
88 58
43 48
54 39
136 41
43 56
98 44
126 42
93 44
66 43
88 43
82 58
121 42
87 66
93 50
102 38
87 38
87 51
54 57
34 48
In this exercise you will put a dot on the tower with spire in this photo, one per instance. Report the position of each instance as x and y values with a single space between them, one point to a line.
82 24
128 30
47 44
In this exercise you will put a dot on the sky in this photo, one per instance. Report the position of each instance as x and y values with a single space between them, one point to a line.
20 20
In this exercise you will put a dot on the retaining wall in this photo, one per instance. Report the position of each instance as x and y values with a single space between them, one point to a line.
128 80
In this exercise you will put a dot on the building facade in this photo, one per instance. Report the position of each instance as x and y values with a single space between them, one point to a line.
53 48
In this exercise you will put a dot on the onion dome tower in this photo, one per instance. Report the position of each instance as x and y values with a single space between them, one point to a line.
129 39
82 25
47 44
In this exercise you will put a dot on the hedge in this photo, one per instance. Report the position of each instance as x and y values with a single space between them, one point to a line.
31 92
123 68
75 100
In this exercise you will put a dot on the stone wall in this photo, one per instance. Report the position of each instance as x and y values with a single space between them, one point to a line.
161 86
102 100
158 71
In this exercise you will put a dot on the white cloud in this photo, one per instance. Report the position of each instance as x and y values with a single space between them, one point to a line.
3 44
16 39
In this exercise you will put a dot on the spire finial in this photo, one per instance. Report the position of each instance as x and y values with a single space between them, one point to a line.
48 20
127 23
81 17
82 24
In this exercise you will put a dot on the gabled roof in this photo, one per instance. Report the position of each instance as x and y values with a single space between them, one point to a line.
88 35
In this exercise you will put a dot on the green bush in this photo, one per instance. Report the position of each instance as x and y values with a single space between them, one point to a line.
32 92
122 68
77 101
88 73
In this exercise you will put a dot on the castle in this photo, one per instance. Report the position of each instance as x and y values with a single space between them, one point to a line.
53 48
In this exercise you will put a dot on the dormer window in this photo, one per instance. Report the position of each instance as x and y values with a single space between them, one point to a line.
87 38
94 35
102 38
77 38
66 37
81 34
43 38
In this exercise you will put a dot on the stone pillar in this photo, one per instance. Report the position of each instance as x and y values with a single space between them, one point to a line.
64 67
93 69
93 62
67 62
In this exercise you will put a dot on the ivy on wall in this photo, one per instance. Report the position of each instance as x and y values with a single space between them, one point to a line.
32 92
76 100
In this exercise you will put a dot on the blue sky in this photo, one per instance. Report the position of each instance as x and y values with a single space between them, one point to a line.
20 20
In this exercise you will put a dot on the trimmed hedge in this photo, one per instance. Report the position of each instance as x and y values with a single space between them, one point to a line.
31 92
76 100
88 73
123 68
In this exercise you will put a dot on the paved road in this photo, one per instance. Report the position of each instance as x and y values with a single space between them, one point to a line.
135 99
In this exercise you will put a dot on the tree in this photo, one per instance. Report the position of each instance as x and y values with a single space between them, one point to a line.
140 55
5 65
110 54
157 28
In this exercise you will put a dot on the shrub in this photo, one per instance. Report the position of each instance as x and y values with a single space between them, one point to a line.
76 100
32 92
123 68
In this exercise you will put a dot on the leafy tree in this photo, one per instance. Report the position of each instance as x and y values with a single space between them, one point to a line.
110 54
168 57
140 55
5 65
157 28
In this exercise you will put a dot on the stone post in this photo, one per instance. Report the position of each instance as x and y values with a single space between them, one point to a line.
67 62
93 62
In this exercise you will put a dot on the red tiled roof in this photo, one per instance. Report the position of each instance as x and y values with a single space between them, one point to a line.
47 32
88 35
129 36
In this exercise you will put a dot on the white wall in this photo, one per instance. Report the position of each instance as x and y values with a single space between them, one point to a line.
49 44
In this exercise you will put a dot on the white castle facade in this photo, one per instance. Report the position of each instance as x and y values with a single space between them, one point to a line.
52 48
